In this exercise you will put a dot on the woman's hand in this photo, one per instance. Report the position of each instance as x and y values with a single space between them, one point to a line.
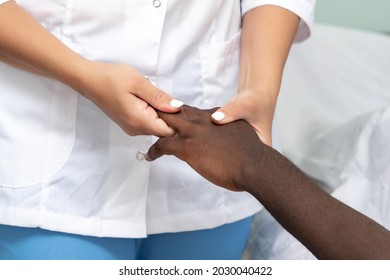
267 34
255 108
119 90
127 97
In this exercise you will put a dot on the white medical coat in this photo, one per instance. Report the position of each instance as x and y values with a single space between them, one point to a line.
66 166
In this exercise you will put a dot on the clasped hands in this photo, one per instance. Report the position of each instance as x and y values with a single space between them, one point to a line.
223 154
222 151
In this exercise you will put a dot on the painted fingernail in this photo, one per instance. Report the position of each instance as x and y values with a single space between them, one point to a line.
176 103
218 116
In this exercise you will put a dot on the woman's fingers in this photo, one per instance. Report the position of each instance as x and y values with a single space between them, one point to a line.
156 97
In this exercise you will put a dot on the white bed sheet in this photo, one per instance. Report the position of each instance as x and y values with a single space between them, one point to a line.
334 76
334 122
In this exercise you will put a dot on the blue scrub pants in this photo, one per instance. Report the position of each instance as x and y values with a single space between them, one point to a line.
221 243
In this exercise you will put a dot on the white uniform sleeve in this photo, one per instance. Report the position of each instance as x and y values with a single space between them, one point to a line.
302 8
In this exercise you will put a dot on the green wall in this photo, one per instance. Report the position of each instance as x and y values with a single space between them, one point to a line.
371 15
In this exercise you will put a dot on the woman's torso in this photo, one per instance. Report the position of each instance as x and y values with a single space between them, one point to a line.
70 168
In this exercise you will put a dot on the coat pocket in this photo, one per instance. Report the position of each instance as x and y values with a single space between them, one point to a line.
37 127
219 68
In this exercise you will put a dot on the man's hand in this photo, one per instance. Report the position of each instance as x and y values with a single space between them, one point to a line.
220 153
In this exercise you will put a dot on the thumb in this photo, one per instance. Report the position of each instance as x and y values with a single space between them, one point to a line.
158 98
243 108
228 113
163 146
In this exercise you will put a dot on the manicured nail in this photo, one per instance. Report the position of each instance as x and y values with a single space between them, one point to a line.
176 103
218 116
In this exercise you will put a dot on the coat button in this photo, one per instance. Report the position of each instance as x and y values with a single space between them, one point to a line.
140 155
156 3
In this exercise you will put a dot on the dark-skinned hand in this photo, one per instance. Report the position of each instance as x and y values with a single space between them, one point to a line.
232 156
220 153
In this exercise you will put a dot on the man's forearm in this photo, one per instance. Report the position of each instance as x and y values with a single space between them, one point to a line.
327 227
